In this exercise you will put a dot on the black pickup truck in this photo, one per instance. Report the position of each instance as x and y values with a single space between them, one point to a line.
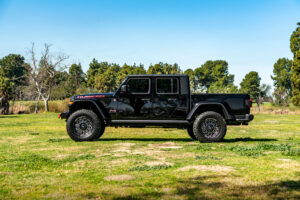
156 100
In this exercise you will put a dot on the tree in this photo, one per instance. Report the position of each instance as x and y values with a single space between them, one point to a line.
13 71
76 78
263 95
106 82
95 69
129 70
213 76
45 71
282 81
250 85
295 78
156 69
192 77
164 68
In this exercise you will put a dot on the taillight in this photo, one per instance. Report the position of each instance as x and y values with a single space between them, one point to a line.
249 103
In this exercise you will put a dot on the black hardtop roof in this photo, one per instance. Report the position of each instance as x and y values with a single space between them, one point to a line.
157 75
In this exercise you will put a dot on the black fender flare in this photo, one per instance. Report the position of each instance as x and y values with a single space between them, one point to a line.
99 107
201 105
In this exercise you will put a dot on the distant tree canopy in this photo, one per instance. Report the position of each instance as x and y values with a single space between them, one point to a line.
213 76
250 85
164 68
282 81
47 77
13 71
295 78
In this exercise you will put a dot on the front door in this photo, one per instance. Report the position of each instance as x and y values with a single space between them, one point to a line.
136 104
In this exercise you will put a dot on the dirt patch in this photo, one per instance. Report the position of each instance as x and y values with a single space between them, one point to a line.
125 144
170 147
123 177
291 165
6 173
271 122
285 160
115 162
166 145
214 168
123 147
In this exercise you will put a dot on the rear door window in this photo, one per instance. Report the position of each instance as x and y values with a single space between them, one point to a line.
167 86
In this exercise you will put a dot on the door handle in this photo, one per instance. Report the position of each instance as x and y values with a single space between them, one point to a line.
172 99
145 99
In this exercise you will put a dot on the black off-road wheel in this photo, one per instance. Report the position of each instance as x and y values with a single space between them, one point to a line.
209 127
190 132
85 125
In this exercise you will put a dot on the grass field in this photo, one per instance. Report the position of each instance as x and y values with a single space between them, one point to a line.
259 161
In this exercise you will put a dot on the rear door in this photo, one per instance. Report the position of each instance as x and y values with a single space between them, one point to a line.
168 102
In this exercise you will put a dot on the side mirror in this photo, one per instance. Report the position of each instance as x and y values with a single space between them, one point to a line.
124 88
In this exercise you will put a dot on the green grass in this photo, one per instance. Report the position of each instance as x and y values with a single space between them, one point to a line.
259 161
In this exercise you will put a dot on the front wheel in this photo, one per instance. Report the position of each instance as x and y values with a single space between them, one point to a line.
84 125
190 132
209 127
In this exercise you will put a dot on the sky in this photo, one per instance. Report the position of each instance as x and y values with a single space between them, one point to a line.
250 35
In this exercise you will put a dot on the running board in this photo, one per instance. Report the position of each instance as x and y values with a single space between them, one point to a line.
182 122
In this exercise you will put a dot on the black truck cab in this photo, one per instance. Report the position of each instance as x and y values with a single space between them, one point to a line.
157 100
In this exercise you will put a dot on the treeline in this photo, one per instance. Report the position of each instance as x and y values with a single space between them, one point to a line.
47 78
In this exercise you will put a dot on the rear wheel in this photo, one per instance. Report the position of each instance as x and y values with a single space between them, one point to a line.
85 125
209 127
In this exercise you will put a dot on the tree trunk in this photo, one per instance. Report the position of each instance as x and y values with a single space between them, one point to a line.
4 105
12 106
37 104
46 105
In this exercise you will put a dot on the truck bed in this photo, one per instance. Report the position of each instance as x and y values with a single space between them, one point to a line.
236 104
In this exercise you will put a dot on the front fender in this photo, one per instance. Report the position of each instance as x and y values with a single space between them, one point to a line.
84 104
198 106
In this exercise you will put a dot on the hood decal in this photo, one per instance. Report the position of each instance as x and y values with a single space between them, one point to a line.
91 96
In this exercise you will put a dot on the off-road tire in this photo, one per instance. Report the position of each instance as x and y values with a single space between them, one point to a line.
209 122
190 132
85 119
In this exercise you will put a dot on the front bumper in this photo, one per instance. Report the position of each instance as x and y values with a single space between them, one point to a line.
64 115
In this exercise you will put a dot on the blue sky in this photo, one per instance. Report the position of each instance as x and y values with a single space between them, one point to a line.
249 35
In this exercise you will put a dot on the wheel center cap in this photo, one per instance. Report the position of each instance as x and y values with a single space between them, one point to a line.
83 126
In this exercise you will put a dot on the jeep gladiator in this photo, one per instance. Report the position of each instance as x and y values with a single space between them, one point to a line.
156 100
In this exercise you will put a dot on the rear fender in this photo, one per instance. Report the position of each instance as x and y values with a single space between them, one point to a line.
207 106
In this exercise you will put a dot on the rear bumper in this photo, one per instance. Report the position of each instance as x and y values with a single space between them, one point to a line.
244 118
64 115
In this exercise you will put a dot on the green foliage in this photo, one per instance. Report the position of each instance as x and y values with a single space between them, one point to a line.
13 71
250 85
295 79
192 77
213 76
129 70
282 81
107 82
95 69
76 77
164 68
